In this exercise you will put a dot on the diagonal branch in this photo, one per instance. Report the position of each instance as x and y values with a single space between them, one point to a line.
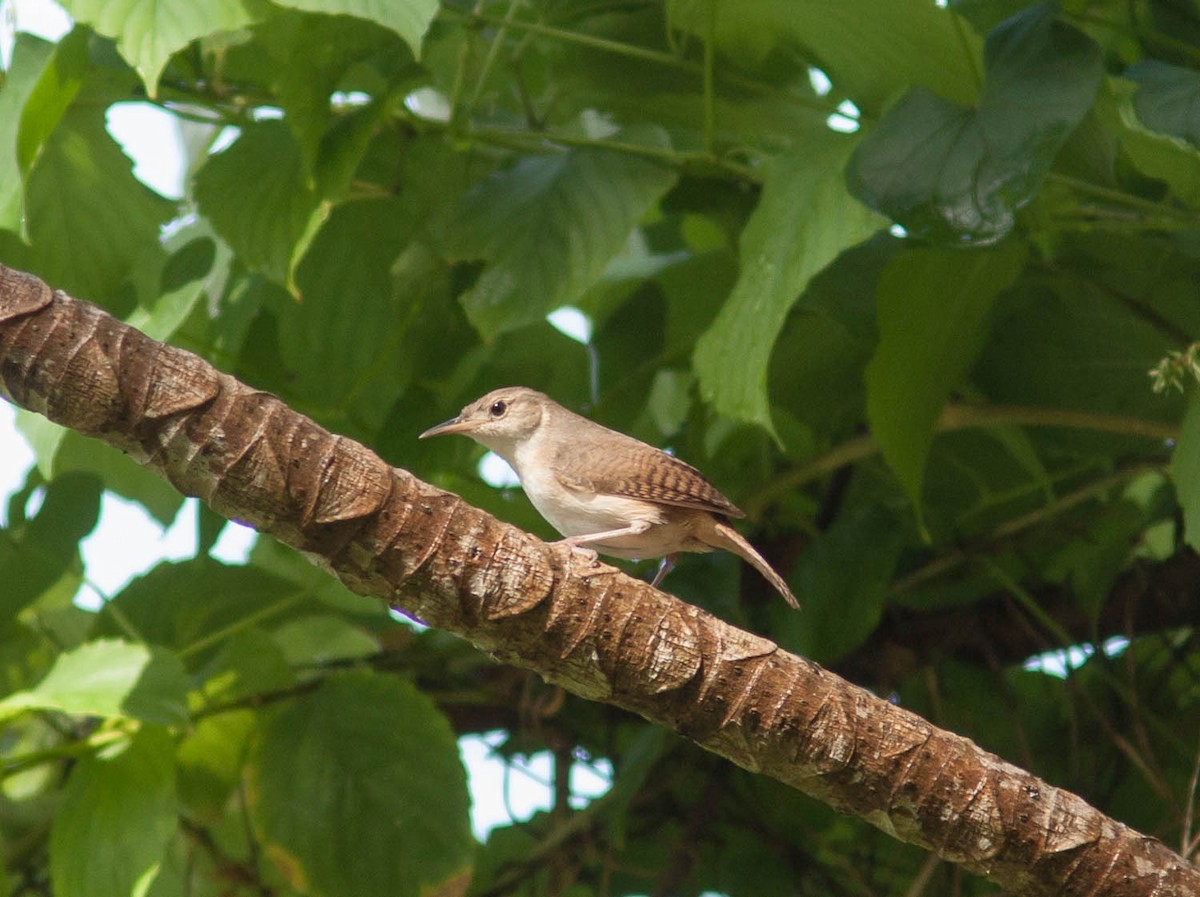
587 627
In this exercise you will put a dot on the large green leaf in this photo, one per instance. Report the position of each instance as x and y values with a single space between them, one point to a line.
1168 99
117 816
359 789
548 226
933 307
341 342
344 54
149 31
89 218
37 554
870 48
843 578
29 60
408 18
259 197
959 174
206 600
110 678
804 219
1159 155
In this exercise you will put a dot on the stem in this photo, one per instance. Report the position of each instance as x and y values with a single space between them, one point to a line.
961 417
493 51
244 623
1118 196
95 741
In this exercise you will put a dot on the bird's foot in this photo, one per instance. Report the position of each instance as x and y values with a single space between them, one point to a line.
588 554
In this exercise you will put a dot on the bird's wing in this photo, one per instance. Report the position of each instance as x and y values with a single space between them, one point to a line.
638 470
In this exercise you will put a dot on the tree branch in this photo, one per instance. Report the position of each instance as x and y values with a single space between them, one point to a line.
587 627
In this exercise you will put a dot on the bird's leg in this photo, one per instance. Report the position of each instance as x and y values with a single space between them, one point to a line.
667 565
634 529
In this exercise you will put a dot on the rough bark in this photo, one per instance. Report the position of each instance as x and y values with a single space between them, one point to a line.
586 626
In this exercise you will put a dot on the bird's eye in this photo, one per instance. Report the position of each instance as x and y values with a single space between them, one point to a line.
498 408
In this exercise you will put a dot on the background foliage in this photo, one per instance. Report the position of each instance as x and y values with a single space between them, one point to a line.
385 202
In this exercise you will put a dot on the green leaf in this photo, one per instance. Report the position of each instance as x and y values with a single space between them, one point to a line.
870 48
259 198
34 557
1168 99
210 761
320 640
206 599
182 282
148 32
804 219
933 311
58 83
408 18
117 816
341 341
30 57
1185 470
548 226
374 754
248 663
110 678
72 452
89 218
1169 159
343 54
843 578
959 174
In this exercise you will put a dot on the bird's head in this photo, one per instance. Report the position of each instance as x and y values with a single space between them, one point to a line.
500 420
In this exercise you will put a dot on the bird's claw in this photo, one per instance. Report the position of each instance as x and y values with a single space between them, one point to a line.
588 554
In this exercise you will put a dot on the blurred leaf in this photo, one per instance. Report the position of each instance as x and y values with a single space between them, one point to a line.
933 313
210 760
30 55
842 580
337 47
148 32
397 791
322 640
959 174
870 49
121 475
803 220
89 218
408 18
548 226
259 198
110 678
340 341
1079 345
58 83
130 791
249 664
182 281
189 604
35 556
1157 155
1168 99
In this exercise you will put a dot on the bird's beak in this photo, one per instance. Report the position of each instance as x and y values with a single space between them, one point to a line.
454 425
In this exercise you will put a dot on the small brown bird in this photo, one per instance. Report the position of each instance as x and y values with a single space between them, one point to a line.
604 489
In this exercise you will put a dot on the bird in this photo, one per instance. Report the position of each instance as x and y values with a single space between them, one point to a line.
602 490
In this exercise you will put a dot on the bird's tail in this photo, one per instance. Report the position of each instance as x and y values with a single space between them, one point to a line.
725 536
